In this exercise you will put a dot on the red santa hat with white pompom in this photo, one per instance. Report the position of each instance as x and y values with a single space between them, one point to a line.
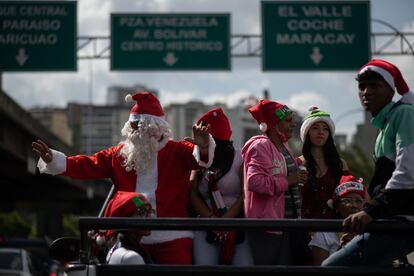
220 125
146 105
268 113
392 75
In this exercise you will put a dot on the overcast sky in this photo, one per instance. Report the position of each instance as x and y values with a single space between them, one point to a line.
332 91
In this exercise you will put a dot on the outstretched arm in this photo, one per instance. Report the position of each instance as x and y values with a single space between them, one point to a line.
51 161
55 162
43 150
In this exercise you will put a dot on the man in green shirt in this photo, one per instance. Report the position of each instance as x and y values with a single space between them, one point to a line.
392 186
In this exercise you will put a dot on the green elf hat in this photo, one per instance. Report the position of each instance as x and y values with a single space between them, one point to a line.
316 115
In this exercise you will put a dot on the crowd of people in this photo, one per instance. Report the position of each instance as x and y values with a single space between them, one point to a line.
205 176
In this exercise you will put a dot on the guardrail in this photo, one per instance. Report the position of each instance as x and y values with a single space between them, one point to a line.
311 225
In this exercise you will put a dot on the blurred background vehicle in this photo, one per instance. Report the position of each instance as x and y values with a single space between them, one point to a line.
19 256
16 261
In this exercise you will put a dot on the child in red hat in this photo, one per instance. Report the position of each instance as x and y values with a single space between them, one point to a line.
124 245
348 198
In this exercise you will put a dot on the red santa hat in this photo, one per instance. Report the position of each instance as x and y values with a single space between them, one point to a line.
147 105
124 204
389 72
268 113
347 184
220 125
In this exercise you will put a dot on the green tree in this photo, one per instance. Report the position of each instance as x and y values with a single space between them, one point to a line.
70 225
12 225
359 163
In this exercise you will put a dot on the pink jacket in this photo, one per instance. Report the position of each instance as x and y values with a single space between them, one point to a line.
265 179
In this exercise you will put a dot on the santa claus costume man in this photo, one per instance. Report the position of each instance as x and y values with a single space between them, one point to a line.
147 161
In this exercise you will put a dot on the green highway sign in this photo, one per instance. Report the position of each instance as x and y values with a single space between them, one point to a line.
170 42
315 35
37 36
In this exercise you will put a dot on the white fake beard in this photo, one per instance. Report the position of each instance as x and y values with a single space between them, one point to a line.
142 144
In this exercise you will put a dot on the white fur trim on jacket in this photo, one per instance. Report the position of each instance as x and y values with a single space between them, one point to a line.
57 166
211 148
146 183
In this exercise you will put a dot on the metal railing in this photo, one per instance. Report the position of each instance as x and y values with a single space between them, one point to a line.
250 45
311 225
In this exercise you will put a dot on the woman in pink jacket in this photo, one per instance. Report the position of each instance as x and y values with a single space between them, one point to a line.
269 171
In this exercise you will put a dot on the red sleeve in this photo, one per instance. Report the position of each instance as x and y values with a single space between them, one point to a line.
186 151
96 166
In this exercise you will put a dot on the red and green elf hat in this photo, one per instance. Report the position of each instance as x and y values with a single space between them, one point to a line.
268 113
124 204
347 184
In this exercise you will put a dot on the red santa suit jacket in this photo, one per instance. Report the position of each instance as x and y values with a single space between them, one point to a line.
175 162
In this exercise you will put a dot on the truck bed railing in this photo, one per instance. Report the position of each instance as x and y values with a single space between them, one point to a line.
311 225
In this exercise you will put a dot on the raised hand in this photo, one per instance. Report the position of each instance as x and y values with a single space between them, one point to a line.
42 149
200 135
